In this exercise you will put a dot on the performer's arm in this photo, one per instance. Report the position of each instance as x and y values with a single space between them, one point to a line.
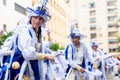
91 59
5 48
70 61
28 49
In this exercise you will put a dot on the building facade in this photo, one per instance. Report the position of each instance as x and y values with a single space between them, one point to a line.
99 21
60 21
13 12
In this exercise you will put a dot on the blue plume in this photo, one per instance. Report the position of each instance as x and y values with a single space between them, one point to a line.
44 2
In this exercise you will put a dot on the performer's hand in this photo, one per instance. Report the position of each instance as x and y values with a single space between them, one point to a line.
82 70
49 57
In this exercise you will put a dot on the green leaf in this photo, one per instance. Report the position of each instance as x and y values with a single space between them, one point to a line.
61 48
54 47
4 37
118 48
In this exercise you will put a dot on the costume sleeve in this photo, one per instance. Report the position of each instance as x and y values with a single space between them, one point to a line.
69 58
48 44
27 46
90 56
63 62
5 48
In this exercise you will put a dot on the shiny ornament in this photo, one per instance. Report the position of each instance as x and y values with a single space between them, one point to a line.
15 65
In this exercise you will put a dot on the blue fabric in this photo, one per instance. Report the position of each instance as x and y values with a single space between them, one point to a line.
35 68
73 35
34 63
67 70
39 11
30 34
6 59
16 57
83 63
19 58
73 51
90 66
66 52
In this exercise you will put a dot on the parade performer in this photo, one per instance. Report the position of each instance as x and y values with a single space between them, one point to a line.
97 54
25 43
76 54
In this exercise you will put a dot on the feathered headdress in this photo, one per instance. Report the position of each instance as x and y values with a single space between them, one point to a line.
38 10
74 30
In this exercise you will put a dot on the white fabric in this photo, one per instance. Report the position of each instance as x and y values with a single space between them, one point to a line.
56 70
74 63
27 44
100 56
6 46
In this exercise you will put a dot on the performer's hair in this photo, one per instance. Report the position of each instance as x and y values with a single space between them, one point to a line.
39 34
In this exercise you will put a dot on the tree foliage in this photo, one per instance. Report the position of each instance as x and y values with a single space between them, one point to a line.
54 47
118 48
4 37
118 38
61 48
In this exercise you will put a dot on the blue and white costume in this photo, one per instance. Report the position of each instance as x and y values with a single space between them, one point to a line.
97 54
76 57
24 49
55 70
59 66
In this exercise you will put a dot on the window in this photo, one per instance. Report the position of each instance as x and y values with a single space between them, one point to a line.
111 18
67 1
4 2
111 41
114 49
111 34
110 3
93 35
20 9
92 13
92 20
111 10
112 25
4 27
92 5
93 27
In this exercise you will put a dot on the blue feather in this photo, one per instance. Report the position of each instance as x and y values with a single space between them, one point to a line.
44 2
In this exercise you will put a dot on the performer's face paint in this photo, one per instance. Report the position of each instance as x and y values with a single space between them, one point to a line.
36 21
75 40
